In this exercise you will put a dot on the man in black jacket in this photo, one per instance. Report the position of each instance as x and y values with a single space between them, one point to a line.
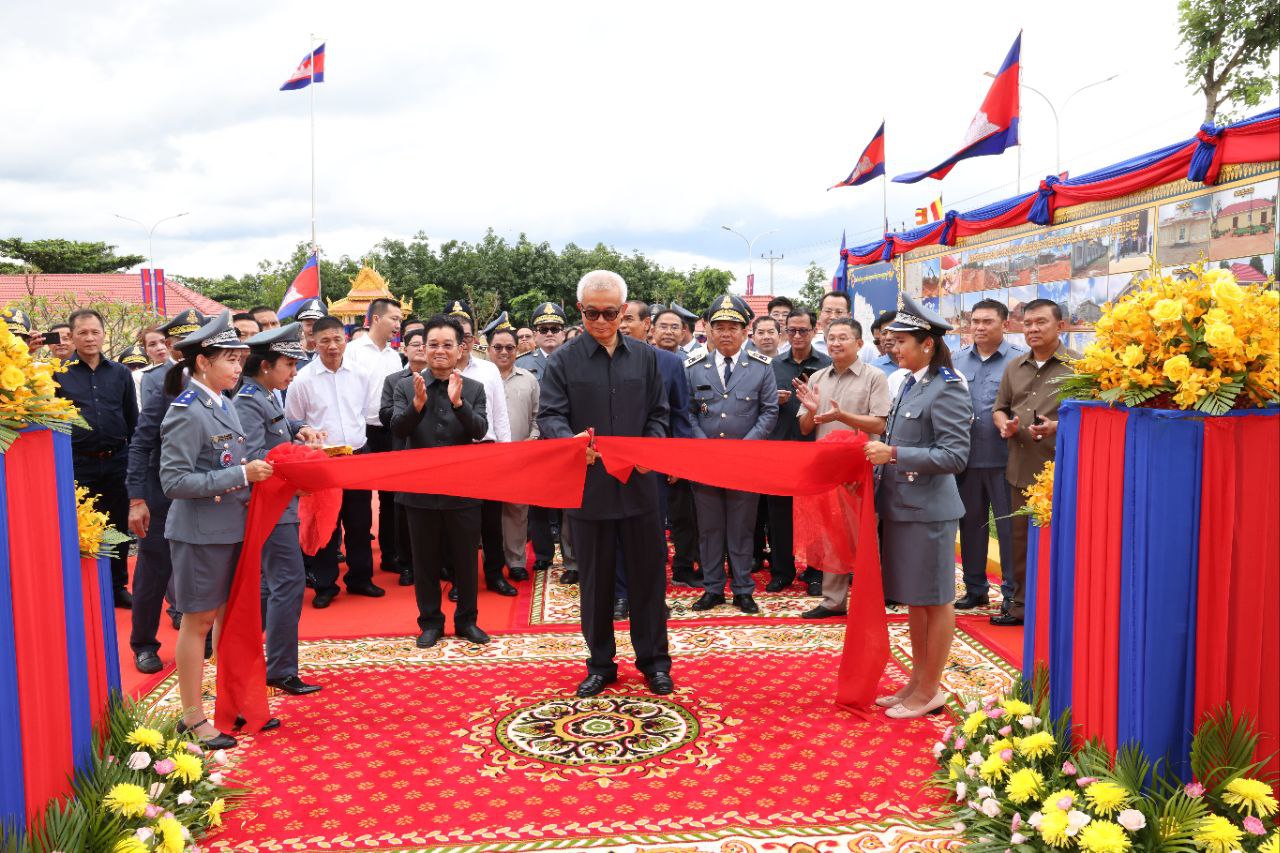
608 382
441 408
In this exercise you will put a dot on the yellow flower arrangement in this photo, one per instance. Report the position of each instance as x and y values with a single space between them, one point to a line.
1025 784
215 811
187 767
1250 796
1203 342
169 834
1106 798
28 392
97 537
1039 495
126 799
1216 834
1037 745
145 737
1103 836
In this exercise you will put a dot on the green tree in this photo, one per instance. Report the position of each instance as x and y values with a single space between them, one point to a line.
121 320
1231 46
815 284
64 256
428 300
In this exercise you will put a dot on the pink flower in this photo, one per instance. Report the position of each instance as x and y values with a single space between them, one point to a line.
220 757
164 766
988 701
1005 731
947 734
1131 819
1065 803
215 778
1253 826
1194 790
1006 755
995 713
156 789
153 811
1085 781
990 807
1068 768
1017 838
960 742
139 761
194 748
1016 823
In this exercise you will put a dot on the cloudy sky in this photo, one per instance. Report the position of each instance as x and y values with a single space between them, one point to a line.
646 126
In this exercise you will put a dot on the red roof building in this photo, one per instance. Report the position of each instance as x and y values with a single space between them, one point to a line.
1247 274
1245 207
108 287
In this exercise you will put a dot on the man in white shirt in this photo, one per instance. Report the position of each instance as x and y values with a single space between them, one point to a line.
488 375
374 354
833 304
335 395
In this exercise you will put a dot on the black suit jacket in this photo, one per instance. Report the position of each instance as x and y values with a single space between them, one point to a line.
439 424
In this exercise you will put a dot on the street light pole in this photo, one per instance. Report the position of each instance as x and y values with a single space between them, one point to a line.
151 257
1057 125
750 243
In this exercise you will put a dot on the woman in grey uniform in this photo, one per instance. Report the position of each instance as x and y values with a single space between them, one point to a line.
926 444
205 470
272 365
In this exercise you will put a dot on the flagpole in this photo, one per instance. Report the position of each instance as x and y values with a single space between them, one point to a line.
884 200
315 249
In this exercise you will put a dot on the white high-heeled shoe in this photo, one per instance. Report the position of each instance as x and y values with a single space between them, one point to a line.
888 701
902 712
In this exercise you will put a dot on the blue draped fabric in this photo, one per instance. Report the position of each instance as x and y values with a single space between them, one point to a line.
1029 622
1041 212
1125 167
110 645
949 229
13 802
1062 566
995 209
1160 548
73 601
1202 157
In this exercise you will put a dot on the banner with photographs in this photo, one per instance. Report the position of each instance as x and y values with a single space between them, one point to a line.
1083 265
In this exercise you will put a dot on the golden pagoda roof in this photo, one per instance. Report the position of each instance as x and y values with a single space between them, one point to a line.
365 287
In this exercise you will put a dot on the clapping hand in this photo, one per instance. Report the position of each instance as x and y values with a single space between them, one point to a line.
455 389
419 392
808 397
831 415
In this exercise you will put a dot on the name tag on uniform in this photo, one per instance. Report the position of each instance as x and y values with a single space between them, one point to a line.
219 439
277 419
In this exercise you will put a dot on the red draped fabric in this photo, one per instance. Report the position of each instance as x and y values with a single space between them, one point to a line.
1041 639
1100 486
39 623
547 473
95 640
1015 216
1171 168
929 238
1251 143
1237 637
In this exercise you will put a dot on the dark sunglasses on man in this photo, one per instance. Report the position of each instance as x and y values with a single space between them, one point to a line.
608 314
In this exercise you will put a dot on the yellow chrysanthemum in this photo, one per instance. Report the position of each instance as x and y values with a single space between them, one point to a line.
994 767
1036 745
1216 834
130 844
126 799
144 737
1271 845
169 835
1025 784
1103 836
1015 707
1251 797
1053 828
216 808
1106 798
955 766
187 767
973 722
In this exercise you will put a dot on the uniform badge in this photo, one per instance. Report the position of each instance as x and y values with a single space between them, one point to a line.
225 458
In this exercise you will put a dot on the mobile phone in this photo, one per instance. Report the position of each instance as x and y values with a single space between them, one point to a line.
806 372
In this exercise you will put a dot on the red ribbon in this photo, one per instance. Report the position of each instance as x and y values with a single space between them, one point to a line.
548 473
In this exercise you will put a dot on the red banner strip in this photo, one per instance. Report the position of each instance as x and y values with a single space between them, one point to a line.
94 638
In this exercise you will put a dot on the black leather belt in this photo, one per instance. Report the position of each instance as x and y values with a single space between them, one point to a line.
98 454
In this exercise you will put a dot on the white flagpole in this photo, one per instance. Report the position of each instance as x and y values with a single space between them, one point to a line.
884 201
315 248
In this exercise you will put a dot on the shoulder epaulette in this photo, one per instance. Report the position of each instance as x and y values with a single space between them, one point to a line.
248 389
948 375
694 359
185 398
151 367
759 356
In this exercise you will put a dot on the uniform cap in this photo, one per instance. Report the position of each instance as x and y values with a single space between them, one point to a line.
312 309
285 340
217 333
184 324
914 317
134 355
730 307
548 314
503 322
17 321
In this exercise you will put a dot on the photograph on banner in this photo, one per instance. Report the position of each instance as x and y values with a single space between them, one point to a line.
1022 261
1085 298
1252 270
980 270
933 303
921 278
1058 291
874 288
1244 221
950 308
950 266
1090 252
1017 298
1131 244
1184 230
1053 258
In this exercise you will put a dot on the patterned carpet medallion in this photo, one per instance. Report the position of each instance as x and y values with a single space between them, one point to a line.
470 748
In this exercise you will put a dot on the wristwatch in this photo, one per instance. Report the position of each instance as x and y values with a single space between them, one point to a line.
893 454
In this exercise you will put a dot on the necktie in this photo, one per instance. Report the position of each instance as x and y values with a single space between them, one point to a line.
906 386
902 395
728 369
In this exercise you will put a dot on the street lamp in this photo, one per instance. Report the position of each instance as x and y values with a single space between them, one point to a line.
151 258
749 242
1057 126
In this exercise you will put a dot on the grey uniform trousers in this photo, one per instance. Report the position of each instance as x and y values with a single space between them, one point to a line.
726 524
284 582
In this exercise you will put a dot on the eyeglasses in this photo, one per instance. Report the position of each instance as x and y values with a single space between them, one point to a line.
799 333
549 330
607 314
438 345
468 338
502 347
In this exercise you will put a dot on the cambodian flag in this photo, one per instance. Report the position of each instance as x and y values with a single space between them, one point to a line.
310 69
305 286
840 281
870 164
993 129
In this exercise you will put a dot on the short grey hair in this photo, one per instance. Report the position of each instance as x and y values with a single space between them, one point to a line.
600 280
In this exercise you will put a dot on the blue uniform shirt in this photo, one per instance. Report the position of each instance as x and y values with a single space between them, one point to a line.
986 448
887 365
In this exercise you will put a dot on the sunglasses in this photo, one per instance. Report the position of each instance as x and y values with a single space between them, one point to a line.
799 333
549 330
502 347
608 314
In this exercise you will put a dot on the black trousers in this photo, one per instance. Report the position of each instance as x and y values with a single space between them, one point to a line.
544 544
379 441
764 533
105 477
495 555
597 542
441 535
151 577
403 542
355 522
684 527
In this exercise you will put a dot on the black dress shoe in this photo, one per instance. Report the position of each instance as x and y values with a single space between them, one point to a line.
453 593
406 578
472 634
814 588
708 601
323 600
501 587
219 741
541 565
208 645
311 581
594 684
746 604
685 578
148 662
123 600
778 584
971 600
270 724
519 573
1006 619
621 609
660 683
821 612
294 686
367 589
428 638
570 576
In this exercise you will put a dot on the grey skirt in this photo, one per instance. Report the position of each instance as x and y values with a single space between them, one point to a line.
918 561
202 574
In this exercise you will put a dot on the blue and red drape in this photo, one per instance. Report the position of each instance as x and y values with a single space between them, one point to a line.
1199 159
58 659
1163 577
